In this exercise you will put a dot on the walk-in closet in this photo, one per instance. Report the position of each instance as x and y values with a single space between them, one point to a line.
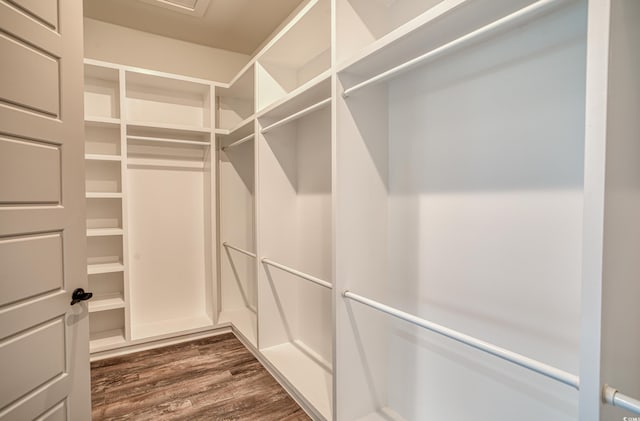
400 209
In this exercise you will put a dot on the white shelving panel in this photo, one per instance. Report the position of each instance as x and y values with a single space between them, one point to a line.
235 124
294 204
295 56
460 200
162 140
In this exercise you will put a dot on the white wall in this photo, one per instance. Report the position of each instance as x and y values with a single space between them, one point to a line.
117 44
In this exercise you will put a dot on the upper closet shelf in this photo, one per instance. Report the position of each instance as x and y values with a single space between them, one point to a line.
312 92
444 29
300 53
238 127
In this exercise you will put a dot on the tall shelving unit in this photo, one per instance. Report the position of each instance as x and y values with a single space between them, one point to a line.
235 118
105 216
294 200
466 172
150 176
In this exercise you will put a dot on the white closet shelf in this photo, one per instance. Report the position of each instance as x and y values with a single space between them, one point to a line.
104 232
103 195
102 157
101 341
311 92
168 128
101 121
106 301
99 268
388 57
152 139
299 114
306 371
502 24
166 163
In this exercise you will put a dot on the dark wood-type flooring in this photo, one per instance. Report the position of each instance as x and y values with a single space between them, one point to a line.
214 378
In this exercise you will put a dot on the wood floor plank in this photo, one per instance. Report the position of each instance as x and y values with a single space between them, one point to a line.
214 378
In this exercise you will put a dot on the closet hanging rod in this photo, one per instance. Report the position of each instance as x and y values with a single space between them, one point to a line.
239 142
615 398
248 253
297 115
167 140
297 273
518 359
502 23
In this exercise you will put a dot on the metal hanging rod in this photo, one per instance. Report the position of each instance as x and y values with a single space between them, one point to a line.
502 23
248 253
297 115
167 140
615 398
518 359
239 142
297 273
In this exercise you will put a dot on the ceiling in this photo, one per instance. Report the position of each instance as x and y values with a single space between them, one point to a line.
234 25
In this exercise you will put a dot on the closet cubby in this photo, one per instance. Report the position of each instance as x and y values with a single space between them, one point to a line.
235 105
103 176
160 101
104 214
238 284
106 329
294 225
102 140
460 200
101 94
296 56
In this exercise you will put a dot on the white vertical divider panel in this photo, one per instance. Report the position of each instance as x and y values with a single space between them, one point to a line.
361 188
610 291
210 231
125 201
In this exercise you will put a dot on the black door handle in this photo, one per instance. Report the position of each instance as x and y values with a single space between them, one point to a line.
79 295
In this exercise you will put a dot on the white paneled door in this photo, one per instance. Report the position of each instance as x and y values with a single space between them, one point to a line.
44 344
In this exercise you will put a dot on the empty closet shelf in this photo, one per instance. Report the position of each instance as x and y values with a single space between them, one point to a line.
103 195
302 275
101 121
99 268
297 115
238 249
102 157
239 142
103 302
104 232
507 22
512 357
150 139
107 339
613 397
